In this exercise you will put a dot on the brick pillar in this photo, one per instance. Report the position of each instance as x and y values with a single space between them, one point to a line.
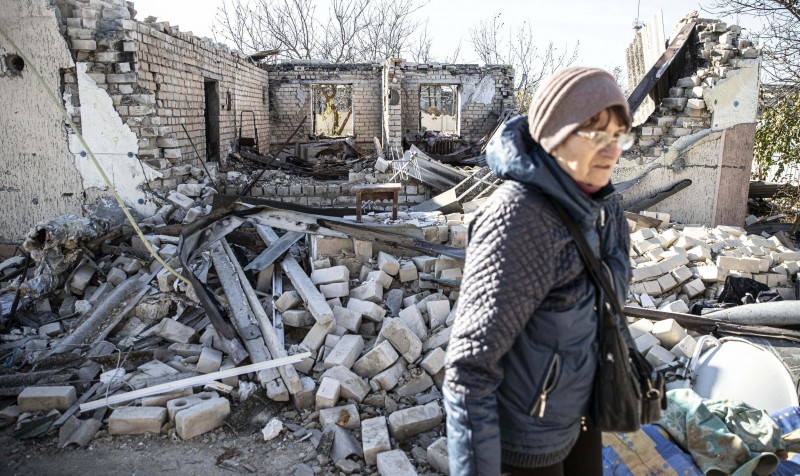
392 104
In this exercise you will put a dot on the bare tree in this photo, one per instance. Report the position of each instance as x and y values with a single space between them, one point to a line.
352 30
620 76
421 50
531 63
780 33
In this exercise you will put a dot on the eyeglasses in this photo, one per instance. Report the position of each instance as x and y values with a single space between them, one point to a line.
600 139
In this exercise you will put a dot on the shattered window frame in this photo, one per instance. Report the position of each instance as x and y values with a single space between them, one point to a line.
340 114
437 104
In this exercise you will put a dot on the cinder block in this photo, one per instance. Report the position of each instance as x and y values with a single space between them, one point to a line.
433 362
684 348
395 463
438 312
305 399
412 318
384 279
371 291
668 332
352 386
202 418
438 457
178 404
388 263
347 318
415 420
328 393
346 352
374 438
335 290
335 274
408 272
658 356
136 420
35 399
210 361
345 416
645 342
288 300
368 310
402 338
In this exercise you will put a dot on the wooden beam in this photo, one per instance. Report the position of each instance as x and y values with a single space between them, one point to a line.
274 344
192 381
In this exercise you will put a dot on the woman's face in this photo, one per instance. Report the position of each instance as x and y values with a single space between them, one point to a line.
583 161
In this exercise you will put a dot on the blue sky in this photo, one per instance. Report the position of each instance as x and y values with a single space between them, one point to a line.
603 29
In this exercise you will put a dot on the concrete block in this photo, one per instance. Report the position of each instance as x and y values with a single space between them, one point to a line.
682 274
666 282
328 393
684 348
202 418
116 276
394 463
646 271
174 331
272 430
412 318
328 245
35 399
668 264
180 200
437 339
711 274
345 416
347 318
438 456
433 361
298 318
415 385
352 386
371 291
699 253
408 272
376 360
335 290
161 400
81 278
415 420
424 264
363 250
388 263
288 300
645 342
136 420
388 379
335 274
442 264
403 339
374 438
346 352
454 274
668 332
178 404
676 306
384 279
368 310
438 312
316 336
658 356
305 398
750 265
694 288
210 361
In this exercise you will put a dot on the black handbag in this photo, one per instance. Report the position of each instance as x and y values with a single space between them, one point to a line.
628 392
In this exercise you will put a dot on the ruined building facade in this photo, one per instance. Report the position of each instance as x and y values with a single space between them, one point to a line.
131 87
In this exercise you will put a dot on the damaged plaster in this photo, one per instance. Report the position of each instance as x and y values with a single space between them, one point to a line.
732 100
301 95
114 146
477 92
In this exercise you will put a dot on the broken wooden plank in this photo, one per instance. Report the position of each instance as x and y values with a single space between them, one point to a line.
274 251
274 344
192 381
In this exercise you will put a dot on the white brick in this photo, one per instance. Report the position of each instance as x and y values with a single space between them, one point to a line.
658 356
668 332
408 272
352 385
371 291
402 338
34 399
210 361
381 357
345 416
388 263
369 310
346 352
384 279
336 274
334 290
349 319
395 463
288 300
136 420
676 306
645 342
642 326
433 362
694 288
750 265
415 420
438 457
684 348
374 438
328 393
711 274
316 336
438 312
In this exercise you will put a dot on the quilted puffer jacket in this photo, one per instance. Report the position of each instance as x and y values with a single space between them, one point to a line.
522 355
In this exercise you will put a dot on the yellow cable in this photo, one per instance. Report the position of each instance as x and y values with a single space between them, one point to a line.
94 161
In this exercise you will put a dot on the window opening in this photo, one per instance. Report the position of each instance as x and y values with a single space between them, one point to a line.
332 109
439 108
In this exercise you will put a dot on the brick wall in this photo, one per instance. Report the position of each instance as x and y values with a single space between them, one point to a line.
290 95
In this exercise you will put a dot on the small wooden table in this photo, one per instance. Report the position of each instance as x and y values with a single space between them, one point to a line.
380 191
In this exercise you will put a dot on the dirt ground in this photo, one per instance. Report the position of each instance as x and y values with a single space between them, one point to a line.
221 451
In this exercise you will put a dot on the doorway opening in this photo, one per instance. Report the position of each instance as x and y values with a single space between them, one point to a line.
211 116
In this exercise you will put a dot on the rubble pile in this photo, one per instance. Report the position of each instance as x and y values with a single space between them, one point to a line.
678 265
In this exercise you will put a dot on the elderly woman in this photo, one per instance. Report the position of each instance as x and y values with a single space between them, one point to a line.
523 351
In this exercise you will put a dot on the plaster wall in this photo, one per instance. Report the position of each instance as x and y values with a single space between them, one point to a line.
38 176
